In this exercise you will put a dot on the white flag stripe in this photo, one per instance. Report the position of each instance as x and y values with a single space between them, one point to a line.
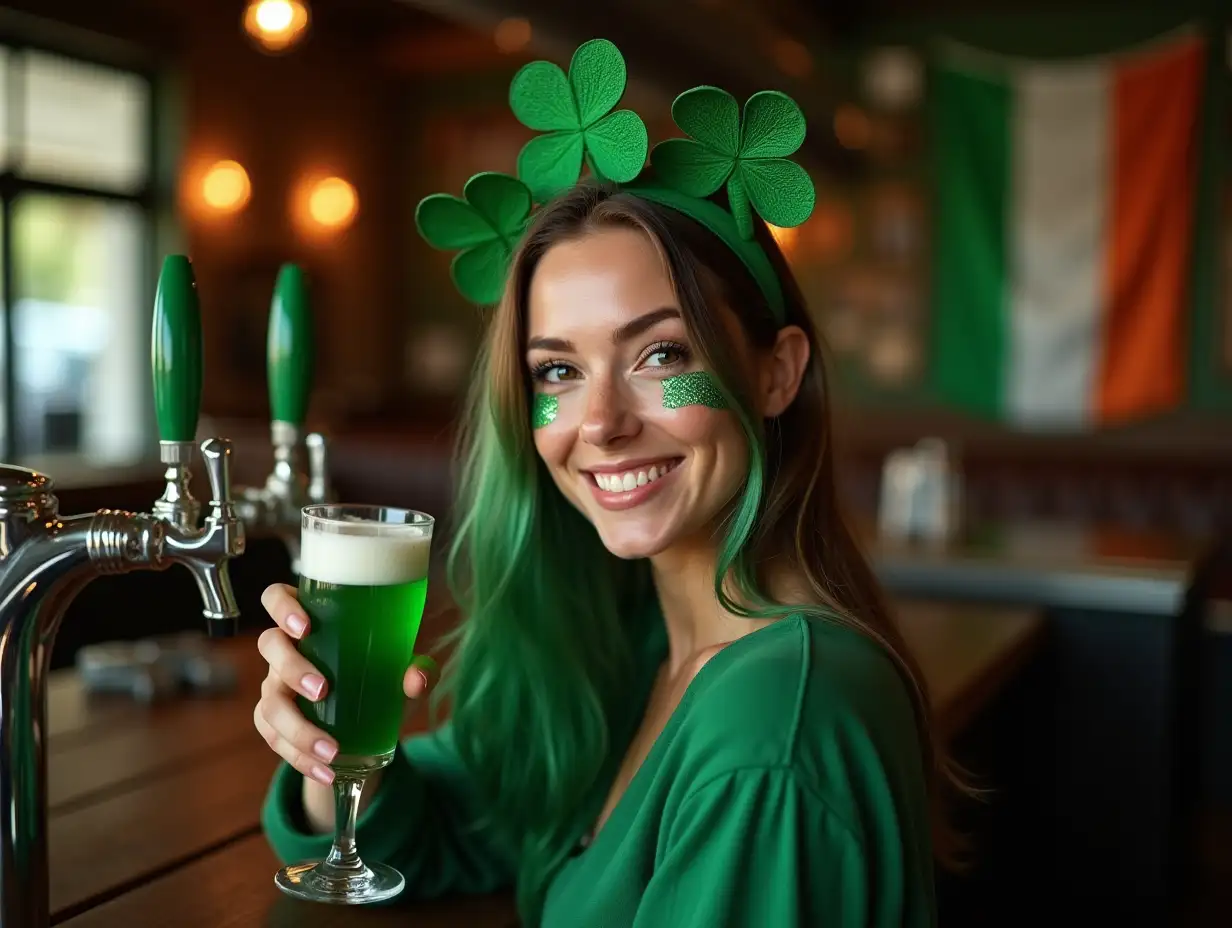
1058 214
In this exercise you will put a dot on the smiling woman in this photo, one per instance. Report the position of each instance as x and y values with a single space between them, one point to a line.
677 696
605 336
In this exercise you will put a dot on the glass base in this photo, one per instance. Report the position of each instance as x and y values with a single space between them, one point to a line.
321 882
360 765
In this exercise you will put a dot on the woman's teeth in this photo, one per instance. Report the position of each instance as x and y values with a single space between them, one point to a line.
631 480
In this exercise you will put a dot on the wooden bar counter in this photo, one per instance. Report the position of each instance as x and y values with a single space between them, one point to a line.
155 810
1046 564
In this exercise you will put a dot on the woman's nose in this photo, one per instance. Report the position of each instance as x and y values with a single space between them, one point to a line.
610 416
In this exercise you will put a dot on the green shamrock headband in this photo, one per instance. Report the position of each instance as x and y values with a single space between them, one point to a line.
576 112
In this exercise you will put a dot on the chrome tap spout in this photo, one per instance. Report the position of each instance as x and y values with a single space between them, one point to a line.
45 560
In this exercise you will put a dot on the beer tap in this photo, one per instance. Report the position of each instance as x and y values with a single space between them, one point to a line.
46 559
274 509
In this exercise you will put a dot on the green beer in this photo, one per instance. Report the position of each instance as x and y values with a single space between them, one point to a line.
363 586
363 580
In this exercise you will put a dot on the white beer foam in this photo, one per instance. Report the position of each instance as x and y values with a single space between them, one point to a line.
363 560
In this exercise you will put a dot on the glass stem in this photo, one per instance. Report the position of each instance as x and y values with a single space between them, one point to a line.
342 855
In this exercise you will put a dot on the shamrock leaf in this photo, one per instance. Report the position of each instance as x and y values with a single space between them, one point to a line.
750 158
575 112
484 226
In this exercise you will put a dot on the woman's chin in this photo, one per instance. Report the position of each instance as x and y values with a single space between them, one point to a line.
631 546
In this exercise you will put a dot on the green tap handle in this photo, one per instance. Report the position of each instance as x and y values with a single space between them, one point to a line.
175 351
290 347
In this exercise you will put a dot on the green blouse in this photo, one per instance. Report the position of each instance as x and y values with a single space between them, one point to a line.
786 789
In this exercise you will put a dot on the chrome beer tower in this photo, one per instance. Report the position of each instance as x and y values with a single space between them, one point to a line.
274 509
46 558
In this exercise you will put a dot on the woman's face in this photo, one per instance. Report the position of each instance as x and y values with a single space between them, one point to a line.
649 464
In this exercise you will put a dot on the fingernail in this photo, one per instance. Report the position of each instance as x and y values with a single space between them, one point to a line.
324 750
323 774
312 685
296 625
423 676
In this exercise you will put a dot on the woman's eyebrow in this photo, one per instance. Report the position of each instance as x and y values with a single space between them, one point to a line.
631 329
635 327
549 344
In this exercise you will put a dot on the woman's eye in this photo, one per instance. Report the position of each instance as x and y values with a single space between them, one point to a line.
662 357
556 373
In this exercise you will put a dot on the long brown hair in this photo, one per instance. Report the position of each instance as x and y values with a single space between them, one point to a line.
788 514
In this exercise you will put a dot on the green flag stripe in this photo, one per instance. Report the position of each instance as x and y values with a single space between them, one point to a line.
971 141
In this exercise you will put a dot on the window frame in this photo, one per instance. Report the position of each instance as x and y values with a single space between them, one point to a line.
13 186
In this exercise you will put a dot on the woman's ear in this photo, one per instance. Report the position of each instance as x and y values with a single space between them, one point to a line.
782 370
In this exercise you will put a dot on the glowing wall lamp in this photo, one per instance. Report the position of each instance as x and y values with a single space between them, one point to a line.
332 203
225 187
276 25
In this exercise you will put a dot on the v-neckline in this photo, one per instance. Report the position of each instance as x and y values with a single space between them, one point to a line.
590 838
659 679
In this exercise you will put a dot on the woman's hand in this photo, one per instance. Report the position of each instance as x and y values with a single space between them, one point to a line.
296 740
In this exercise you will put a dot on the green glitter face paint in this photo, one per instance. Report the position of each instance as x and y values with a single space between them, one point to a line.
694 389
543 412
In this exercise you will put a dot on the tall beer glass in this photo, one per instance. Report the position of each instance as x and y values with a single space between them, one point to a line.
363 582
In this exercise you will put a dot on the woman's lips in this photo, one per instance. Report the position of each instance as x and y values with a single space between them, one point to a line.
609 488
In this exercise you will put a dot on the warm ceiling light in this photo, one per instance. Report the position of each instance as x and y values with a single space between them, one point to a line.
225 187
276 24
332 203
793 58
785 236
512 35
852 127
831 231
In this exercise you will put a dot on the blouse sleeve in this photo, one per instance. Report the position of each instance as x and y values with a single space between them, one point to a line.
422 821
755 847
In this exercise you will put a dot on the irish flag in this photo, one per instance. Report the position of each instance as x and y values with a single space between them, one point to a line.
1065 217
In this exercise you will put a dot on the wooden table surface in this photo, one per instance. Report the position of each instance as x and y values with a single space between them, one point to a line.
154 811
